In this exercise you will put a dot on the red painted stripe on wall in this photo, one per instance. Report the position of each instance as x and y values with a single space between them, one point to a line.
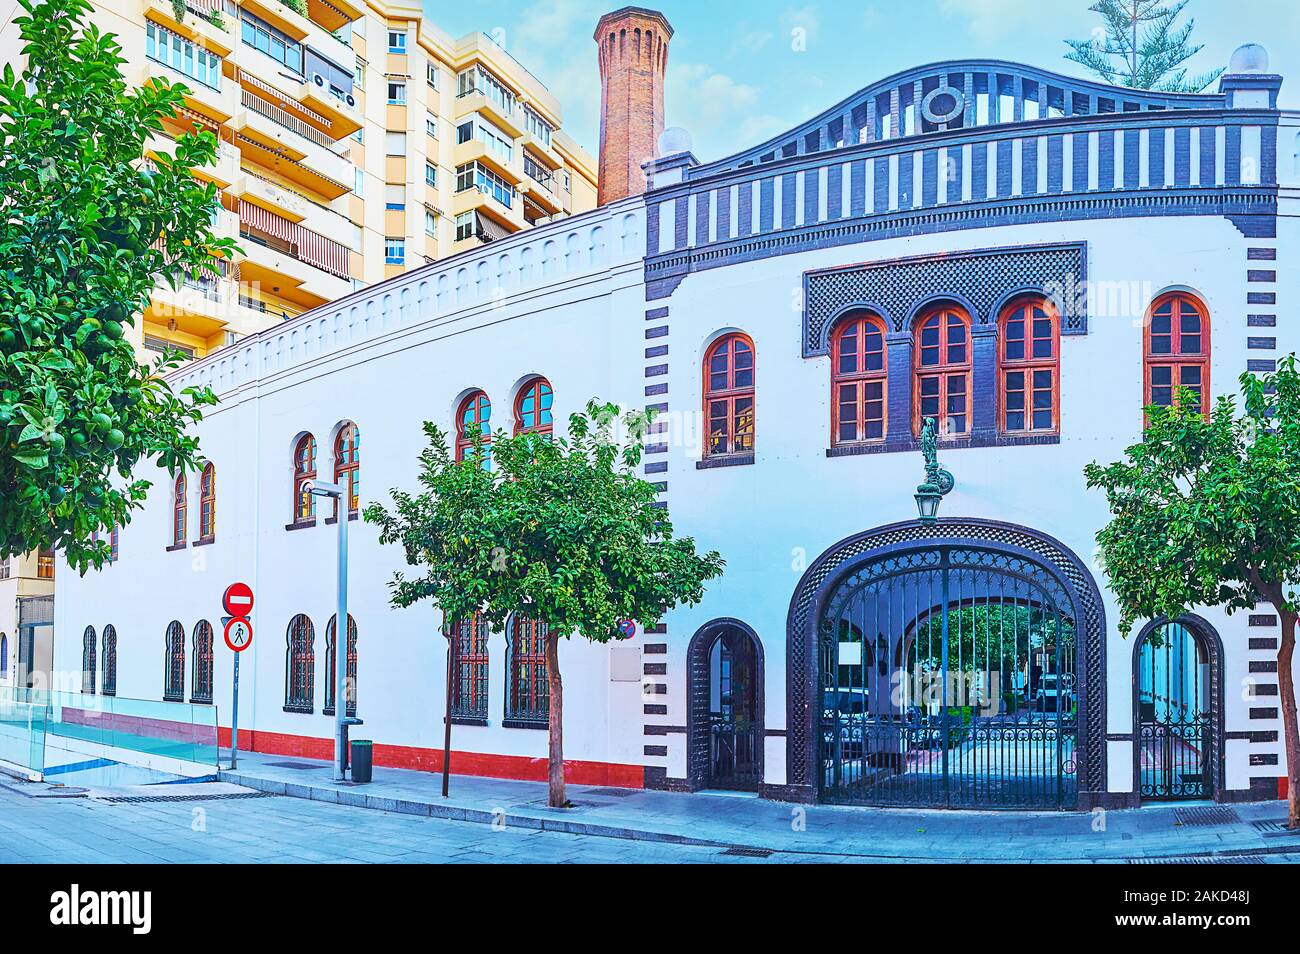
483 764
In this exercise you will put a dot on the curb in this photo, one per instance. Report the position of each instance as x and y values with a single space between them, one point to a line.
401 806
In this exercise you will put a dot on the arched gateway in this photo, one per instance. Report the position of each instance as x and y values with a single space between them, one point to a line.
956 664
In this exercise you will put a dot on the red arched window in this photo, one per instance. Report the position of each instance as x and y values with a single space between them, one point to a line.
469 691
533 408
858 380
304 469
729 396
350 676
1177 351
347 464
474 412
178 511
943 368
208 504
527 694
1030 360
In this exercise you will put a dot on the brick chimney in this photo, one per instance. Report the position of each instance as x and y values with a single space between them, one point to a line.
633 46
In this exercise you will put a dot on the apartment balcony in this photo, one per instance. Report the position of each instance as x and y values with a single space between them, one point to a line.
281 254
197 24
344 119
218 103
197 309
223 172
280 16
545 196
543 150
282 132
332 14
511 122
298 176
269 195
512 170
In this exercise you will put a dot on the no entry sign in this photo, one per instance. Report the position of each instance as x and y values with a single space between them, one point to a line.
239 634
238 599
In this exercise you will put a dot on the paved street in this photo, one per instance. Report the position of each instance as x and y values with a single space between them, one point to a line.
276 829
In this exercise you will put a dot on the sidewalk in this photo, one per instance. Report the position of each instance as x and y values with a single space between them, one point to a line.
1199 830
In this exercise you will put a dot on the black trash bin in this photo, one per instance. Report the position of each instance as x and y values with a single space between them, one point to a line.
362 760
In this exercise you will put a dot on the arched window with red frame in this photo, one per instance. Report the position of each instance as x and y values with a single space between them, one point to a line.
304 470
469 688
729 396
1029 359
533 408
347 464
179 511
350 675
859 379
527 689
201 686
1177 351
208 504
943 371
473 416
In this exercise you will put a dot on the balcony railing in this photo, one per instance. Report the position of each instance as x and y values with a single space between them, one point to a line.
290 122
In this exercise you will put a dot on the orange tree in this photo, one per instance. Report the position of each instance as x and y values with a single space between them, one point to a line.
1206 512
89 229
561 531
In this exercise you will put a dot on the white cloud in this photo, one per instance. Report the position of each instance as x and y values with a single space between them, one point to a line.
719 112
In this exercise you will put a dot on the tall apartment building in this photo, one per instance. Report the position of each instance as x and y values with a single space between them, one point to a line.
355 140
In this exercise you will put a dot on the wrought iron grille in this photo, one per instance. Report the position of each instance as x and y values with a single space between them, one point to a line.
174 669
735 735
110 661
1175 728
202 688
528 690
88 660
911 540
948 679
350 677
469 698
300 665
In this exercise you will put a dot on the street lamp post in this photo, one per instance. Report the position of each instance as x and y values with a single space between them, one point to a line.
338 493
938 482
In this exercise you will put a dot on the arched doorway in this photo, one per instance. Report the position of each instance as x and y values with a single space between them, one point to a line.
725 715
952 665
1177 710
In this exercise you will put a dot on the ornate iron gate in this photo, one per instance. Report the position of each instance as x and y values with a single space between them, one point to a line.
735 735
1175 728
948 679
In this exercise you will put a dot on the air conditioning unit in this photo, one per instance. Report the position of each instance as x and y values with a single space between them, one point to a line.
350 100
318 79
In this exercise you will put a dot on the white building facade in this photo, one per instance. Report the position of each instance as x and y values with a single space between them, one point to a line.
1026 258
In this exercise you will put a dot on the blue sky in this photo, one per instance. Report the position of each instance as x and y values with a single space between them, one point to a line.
735 78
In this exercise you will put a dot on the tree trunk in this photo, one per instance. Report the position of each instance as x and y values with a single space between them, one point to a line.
1286 687
555 721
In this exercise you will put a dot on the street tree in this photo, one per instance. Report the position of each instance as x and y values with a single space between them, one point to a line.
1139 45
90 228
1206 512
560 531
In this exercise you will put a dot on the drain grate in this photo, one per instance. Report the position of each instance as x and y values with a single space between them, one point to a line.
611 792
296 766
1201 817
1271 824
741 852
139 799
1200 860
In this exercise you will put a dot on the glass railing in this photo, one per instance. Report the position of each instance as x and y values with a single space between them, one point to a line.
22 731
41 729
